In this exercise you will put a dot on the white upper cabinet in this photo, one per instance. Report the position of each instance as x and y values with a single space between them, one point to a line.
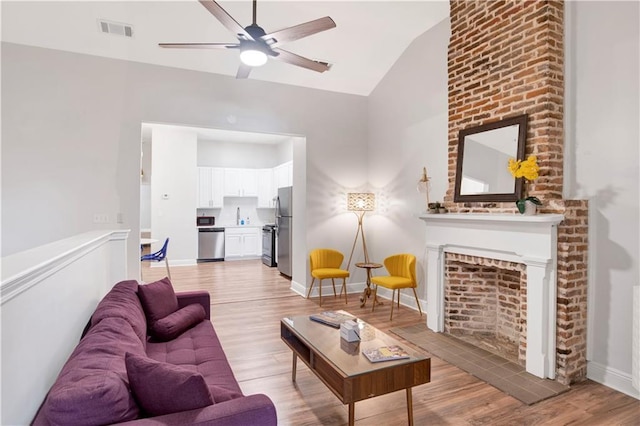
210 187
214 183
283 175
240 182
265 188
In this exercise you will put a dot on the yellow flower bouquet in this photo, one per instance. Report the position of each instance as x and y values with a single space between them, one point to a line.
527 169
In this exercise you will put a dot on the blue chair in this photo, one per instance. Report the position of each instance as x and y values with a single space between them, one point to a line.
158 256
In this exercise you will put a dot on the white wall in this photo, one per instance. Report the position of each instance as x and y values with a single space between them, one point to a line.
408 131
284 150
91 110
236 155
61 142
602 128
45 307
145 206
173 192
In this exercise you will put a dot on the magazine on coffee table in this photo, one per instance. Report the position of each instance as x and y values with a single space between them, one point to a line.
332 318
385 353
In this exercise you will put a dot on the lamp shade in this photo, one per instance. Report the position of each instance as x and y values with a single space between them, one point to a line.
361 201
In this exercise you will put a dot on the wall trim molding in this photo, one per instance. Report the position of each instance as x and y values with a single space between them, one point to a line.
28 268
615 379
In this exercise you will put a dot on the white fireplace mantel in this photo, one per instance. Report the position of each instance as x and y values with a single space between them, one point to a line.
530 240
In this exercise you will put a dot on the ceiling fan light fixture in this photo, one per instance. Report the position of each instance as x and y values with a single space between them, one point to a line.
256 45
253 57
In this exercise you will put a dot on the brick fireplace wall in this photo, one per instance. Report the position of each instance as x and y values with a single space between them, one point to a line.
506 58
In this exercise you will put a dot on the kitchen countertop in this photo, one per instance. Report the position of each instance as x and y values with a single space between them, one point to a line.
232 226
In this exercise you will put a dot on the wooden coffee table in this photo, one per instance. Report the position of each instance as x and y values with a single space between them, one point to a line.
341 366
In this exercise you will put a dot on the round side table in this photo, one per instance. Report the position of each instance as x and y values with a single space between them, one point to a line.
367 291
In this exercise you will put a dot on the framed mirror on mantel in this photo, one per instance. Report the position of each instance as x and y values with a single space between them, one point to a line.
482 173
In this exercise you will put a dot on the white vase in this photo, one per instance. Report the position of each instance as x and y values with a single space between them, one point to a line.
530 208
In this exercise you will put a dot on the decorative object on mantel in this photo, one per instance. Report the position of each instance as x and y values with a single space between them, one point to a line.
526 169
436 207
423 185
528 206
360 203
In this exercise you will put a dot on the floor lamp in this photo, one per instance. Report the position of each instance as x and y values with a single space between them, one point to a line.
360 203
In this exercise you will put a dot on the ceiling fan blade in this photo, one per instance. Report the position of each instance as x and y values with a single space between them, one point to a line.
292 58
299 31
243 71
224 18
200 45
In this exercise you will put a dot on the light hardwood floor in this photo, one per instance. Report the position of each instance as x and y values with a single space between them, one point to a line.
248 300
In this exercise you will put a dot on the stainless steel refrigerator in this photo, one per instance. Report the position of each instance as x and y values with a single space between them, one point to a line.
284 217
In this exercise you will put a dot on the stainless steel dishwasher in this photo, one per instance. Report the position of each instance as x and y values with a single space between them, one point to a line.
210 244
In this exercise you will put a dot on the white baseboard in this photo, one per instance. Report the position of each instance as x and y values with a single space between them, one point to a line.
327 289
298 288
612 378
172 263
353 288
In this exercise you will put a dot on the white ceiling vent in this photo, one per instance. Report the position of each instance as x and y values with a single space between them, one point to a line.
118 28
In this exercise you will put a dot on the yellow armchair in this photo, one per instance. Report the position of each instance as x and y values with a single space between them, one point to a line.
402 274
325 264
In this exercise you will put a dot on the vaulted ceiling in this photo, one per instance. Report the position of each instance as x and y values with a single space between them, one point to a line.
369 35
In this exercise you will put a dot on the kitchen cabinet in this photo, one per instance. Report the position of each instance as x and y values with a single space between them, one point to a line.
283 175
241 182
265 188
242 243
210 187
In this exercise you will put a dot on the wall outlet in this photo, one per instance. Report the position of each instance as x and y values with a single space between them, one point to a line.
100 218
119 218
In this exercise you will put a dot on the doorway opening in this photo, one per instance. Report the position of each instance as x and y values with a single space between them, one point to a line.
233 176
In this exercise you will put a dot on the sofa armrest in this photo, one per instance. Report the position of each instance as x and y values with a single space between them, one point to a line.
255 409
202 297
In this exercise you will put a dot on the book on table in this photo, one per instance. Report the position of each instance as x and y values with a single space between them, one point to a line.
332 318
385 353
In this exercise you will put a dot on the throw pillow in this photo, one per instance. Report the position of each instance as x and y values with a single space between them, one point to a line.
158 299
173 325
161 388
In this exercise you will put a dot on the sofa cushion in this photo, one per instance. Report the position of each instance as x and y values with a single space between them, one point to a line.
199 349
92 388
158 299
174 324
162 388
123 302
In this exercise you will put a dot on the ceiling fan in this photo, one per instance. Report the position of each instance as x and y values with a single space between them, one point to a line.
256 45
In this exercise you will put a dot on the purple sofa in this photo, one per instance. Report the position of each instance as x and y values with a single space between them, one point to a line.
118 373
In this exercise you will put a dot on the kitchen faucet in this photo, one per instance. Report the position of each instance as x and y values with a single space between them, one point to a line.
238 216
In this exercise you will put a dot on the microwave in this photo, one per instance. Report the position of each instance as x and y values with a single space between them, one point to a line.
205 220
